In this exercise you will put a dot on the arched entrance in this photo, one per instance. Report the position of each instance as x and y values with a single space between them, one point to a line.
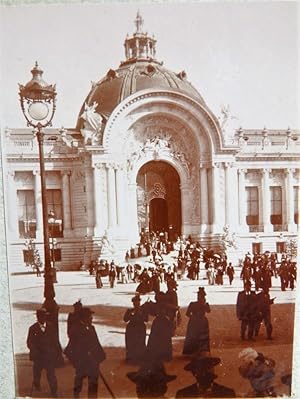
159 198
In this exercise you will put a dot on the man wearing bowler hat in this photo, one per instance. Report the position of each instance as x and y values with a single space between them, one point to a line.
86 353
202 369
247 311
45 351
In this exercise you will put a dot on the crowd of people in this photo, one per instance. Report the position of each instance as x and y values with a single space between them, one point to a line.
85 352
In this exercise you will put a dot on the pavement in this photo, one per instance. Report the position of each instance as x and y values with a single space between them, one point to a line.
109 305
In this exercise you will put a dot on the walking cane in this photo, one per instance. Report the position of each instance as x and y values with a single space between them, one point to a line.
106 385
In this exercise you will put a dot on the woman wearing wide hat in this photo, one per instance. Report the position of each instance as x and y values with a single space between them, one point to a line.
135 335
197 334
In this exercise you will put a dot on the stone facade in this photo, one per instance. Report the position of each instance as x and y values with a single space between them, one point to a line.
156 145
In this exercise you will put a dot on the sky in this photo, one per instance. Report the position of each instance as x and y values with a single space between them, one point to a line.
244 55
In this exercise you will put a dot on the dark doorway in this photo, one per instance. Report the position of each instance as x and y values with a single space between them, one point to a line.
158 215
159 198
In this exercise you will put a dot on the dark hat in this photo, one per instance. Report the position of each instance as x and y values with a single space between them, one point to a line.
85 312
201 291
41 312
78 304
151 374
136 298
202 363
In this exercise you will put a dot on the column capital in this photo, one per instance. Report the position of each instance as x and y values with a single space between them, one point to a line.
11 173
228 164
290 171
242 171
204 165
65 172
266 171
36 172
216 164
111 165
99 165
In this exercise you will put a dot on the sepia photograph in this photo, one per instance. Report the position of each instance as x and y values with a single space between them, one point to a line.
150 158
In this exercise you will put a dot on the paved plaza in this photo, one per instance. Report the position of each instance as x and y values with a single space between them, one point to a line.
109 305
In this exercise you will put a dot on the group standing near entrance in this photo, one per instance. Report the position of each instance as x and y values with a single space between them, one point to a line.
150 353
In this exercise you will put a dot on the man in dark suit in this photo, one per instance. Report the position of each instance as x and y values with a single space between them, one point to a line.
264 303
86 353
246 310
204 387
73 317
45 351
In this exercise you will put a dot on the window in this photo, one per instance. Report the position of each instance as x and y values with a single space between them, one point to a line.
276 205
54 201
26 214
280 247
296 204
252 217
256 248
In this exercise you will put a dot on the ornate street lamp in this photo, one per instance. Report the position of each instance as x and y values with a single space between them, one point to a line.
38 103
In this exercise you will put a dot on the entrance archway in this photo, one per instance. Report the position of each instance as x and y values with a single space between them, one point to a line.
159 198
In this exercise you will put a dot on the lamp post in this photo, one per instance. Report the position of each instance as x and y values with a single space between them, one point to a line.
38 103
51 222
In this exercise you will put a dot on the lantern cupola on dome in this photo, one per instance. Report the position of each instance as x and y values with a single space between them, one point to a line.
139 47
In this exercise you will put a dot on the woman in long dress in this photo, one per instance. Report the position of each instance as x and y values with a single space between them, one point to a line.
197 334
135 335
159 347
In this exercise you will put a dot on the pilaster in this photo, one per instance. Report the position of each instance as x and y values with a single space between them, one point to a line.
266 201
38 205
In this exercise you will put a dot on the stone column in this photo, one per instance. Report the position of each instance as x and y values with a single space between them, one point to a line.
242 200
266 201
132 211
186 207
111 192
231 196
289 200
99 203
90 198
214 203
66 197
120 195
12 206
203 199
38 205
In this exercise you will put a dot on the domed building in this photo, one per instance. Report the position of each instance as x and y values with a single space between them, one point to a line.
148 154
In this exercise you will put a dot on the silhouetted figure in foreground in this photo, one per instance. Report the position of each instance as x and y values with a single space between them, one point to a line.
197 334
135 335
151 380
73 317
159 347
45 351
259 370
204 387
85 353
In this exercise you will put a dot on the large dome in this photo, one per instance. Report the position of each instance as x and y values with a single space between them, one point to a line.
140 71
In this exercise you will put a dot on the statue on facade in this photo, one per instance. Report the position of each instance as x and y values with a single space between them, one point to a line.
107 248
228 238
92 128
183 160
228 124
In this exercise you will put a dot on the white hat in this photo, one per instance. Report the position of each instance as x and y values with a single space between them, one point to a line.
248 355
